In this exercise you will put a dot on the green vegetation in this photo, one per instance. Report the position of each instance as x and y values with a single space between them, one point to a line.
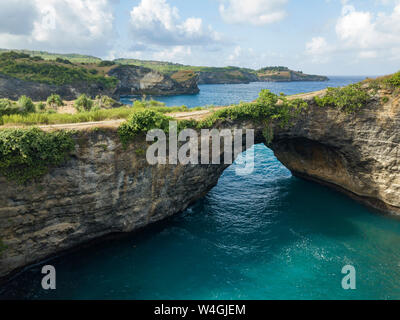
54 101
83 103
75 58
105 102
142 121
170 68
27 154
8 107
11 114
106 63
63 118
40 106
394 80
64 61
25 104
268 106
349 99
275 69
385 99
22 66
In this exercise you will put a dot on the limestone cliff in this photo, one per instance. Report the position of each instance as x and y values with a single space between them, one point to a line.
102 189
13 88
355 153
134 80
106 189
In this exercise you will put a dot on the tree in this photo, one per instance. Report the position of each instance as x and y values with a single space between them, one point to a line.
54 101
83 103
26 104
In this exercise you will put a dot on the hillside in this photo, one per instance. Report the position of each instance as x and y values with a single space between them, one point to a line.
73 57
230 74
206 75
33 76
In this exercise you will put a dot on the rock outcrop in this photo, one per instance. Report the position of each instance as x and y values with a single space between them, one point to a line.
226 77
238 76
133 80
354 153
106 189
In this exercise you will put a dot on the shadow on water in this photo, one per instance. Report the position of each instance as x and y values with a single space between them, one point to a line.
264 236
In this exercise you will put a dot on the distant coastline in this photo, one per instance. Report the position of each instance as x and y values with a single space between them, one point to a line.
38 74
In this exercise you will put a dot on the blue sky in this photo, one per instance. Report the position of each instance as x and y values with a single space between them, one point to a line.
333 37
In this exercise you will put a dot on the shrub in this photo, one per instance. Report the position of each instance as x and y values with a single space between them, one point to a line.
7 107
26 104
54 101
140 122
64 61
83 103
27 154
266 97
394 80
37 58
105 102
12 55
40 106
106 63
349 99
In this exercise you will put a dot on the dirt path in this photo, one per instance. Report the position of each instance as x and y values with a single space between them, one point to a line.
189 115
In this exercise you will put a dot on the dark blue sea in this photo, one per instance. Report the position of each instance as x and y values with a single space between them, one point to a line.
267 235
226 94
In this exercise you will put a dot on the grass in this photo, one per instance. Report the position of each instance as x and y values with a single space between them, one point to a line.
349 99
86 116
76 58
21 66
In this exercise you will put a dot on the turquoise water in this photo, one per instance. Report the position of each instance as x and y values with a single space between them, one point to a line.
268 235
221 95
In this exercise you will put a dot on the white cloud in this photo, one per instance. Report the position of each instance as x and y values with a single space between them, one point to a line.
367 33
61 25
361 35
156 22
177 54
318 49
256 12
317 46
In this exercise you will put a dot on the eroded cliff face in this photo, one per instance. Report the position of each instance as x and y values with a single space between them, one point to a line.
12 88
102 189
134 80
355 153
